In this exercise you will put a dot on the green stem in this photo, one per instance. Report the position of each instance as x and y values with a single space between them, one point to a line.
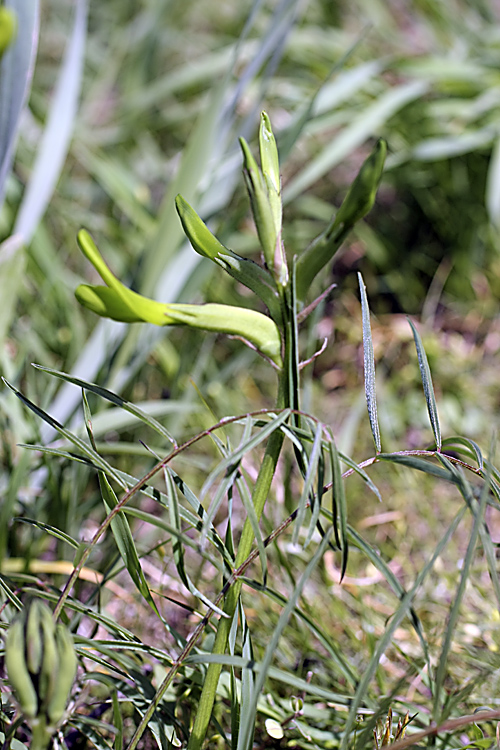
40 735
260 494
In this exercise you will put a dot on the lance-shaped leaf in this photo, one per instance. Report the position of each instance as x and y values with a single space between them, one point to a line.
357 203
242 269
118 302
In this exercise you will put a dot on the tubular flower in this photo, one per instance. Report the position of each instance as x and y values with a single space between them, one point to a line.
118 302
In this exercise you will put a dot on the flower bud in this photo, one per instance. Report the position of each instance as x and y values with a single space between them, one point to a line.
264 190
41 665
358 201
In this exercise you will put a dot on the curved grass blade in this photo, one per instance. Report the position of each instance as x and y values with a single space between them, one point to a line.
178 545
425 374
331 647
369 366
57 133
339 506
234 458
414 462
377 561
87 451
474 451
52 530
310 472
353 466
112 398
16 72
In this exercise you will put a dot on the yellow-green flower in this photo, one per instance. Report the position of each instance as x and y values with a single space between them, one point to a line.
118 302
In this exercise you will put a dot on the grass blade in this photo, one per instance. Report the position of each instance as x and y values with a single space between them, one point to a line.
369 366
112 398
57 133
120 527
425 374
16 71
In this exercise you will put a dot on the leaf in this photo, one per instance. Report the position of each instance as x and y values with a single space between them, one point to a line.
425 374
120 527
369 366
113 398
58 130
339 506
16 72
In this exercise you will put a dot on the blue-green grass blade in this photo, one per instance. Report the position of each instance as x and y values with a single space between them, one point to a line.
473 450
369 366
236 456
361 473
425 374
112 398
386 639
289 679
52 530
339 506
379 563
10 595
248 698
56 136
16 71
178 545
414 462
234 683
248 504
117 721
87 451
311 469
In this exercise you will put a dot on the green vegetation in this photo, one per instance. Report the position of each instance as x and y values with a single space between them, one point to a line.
239 555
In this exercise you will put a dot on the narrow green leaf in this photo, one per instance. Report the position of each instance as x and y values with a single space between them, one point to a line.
425 374
369 365
120 526
16 71
178 545
474 451
111 397
307 493
56 136
414 462
339 506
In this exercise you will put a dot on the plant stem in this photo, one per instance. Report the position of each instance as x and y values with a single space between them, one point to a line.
260 494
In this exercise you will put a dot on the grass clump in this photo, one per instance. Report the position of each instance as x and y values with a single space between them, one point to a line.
219 552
